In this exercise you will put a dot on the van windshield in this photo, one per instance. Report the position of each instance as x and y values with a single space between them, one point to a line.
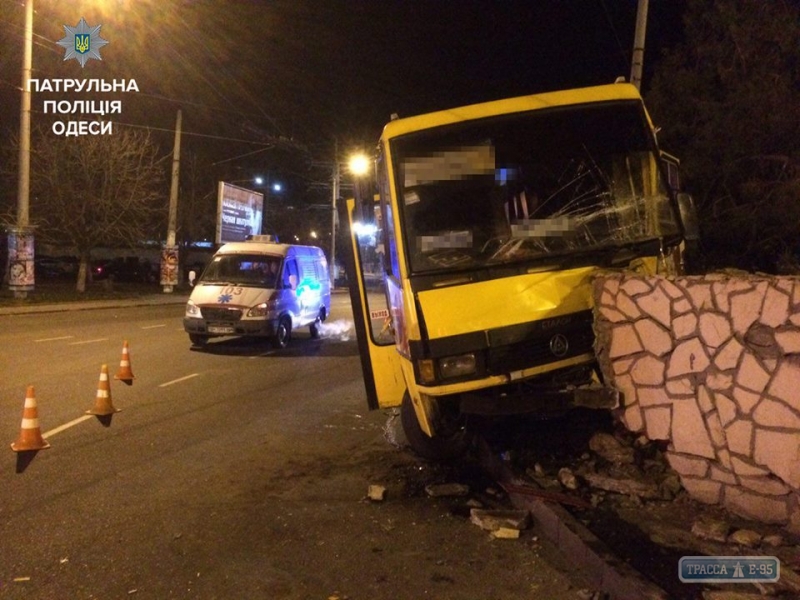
573 181
254 270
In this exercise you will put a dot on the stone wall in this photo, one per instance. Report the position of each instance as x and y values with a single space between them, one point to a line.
711 364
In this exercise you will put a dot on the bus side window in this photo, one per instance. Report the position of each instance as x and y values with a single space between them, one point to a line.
391 262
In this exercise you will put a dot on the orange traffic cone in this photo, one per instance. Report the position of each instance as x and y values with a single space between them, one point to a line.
30 436
102 405
125 374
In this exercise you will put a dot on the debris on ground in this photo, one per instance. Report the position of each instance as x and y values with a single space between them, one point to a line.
626 486
620 486
567 478
745 537
631 499
506 533
376 493
494 520
711 529
611 449
439 490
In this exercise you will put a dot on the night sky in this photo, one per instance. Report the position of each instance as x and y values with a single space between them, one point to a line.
311 73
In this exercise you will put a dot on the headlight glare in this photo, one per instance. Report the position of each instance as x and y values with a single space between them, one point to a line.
259 310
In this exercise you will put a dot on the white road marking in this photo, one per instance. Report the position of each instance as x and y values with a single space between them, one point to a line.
55 339
179 380
88 342
72 423
154 326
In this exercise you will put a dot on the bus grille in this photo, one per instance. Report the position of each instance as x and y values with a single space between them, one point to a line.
535 352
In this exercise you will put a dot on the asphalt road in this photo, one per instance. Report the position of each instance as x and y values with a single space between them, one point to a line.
232 472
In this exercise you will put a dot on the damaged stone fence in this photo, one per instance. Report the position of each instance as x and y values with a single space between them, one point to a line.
711 364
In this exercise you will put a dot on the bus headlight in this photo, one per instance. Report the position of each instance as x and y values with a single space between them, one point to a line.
457 366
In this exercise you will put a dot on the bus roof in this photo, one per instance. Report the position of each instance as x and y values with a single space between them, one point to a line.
600 93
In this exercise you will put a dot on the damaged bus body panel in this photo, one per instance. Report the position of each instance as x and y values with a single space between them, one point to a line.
472 265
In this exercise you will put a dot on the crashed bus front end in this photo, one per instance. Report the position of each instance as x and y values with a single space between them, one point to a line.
490 223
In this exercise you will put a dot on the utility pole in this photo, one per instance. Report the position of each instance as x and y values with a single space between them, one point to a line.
169 255
638 44
20 240
335 195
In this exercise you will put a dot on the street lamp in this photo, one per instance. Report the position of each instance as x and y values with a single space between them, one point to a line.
358 165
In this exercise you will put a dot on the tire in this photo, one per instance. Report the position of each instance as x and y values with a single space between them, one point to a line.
283 333
451 442
197 339
313 329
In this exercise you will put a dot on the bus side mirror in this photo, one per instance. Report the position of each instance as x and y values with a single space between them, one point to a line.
688 212
192 277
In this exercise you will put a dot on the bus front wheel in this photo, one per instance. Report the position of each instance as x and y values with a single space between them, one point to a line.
451 440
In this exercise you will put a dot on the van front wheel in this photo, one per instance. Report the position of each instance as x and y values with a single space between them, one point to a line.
197 339
283 333
451 440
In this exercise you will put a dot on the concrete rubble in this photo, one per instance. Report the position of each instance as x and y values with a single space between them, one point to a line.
631 476
436 490
494 520
376 493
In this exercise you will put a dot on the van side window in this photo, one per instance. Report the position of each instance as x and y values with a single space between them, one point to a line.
290 274
268 272
308 270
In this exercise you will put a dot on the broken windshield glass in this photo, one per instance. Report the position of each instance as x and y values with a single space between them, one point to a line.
526 187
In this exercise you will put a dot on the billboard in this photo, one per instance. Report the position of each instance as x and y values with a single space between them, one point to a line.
239 213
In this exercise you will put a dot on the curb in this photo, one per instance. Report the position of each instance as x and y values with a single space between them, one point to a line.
154 300
93 304
592 558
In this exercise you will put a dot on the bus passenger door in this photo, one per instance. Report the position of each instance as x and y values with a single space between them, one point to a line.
380 362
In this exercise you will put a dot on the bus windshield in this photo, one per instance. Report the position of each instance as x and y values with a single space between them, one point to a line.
525 187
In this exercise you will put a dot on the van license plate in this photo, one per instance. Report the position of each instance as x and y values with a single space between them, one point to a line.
220 329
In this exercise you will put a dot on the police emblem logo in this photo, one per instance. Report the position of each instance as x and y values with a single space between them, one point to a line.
82 42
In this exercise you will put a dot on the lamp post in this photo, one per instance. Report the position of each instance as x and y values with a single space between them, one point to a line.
637 60
20 239
170 271
358 166
334 196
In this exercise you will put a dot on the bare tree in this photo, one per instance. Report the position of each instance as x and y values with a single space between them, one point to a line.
97 190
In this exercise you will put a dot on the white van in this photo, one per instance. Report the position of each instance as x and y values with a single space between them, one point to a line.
259 288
